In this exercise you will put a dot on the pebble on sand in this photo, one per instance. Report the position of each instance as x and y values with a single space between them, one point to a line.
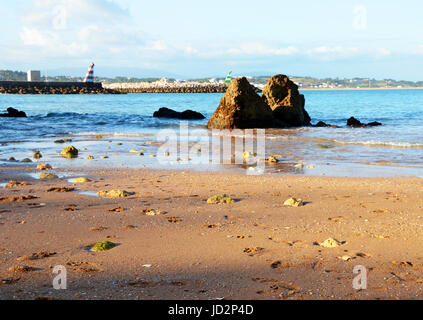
220 198
70 152
103 246
48 175
293 202
14 183
115 194
152 212
20 269
43 166
331 243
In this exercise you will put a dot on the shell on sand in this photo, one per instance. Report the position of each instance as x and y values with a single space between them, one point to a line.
293 202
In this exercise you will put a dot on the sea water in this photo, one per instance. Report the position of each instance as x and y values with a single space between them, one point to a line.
108 126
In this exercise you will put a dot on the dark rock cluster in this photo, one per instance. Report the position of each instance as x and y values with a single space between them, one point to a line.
172 114
13 113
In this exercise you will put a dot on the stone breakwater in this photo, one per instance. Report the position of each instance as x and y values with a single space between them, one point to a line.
166 87
23 87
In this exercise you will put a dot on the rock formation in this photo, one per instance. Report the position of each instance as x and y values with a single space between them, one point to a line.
241 108
13 113
172 114
354 123
287 104
280 106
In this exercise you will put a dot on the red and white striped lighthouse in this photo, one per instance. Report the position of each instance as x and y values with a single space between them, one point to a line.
90 74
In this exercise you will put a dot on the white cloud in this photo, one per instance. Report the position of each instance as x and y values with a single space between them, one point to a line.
383 52
35 37
84 28
258 48
332 53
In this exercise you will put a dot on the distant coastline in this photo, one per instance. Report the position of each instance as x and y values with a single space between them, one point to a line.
359 89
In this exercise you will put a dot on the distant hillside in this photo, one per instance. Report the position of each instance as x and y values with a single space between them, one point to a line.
12 75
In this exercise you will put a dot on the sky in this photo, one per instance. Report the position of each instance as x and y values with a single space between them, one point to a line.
191 38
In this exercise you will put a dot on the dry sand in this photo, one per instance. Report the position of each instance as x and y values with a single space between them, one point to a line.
254 248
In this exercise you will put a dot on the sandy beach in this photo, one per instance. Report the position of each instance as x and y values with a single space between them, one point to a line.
254 248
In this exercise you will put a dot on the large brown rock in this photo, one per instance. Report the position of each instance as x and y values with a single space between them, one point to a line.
283 97
241 108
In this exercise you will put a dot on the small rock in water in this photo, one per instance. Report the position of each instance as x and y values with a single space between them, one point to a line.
12 159
43 166
26 160
331 243
299 166
103 246
293 202
48 175
247 155
115 194
133 151
81 180
37 155
70 152
61 141
272 159
90 158
220 198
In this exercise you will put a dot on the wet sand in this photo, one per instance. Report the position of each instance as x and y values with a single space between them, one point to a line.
254 248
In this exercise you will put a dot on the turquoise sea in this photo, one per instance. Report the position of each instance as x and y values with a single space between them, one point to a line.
125 122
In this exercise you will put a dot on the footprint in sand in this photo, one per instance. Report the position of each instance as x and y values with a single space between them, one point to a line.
254 251
36 256
174 219
98 229
84 267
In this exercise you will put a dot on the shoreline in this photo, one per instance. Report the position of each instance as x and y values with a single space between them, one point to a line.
254 248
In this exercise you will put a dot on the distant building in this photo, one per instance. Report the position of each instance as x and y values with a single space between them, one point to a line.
34 75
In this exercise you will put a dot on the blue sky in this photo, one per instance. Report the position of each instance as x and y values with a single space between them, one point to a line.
187 38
